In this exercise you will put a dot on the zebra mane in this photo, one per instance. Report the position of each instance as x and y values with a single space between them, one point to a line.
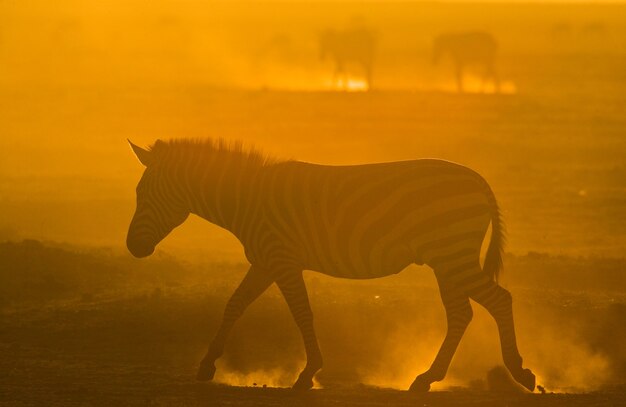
211 148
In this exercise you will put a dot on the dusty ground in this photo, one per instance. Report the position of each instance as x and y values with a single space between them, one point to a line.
76 363
133 334
173 394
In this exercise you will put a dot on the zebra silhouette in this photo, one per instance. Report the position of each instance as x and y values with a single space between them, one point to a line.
358 222
476 50
350 47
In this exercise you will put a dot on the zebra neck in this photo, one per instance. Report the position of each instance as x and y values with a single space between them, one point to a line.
225 195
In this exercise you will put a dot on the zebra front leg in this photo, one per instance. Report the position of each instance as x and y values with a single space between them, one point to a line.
459 314
291 284
254 284
499 303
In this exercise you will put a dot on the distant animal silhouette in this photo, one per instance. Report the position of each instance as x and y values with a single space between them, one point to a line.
350 47
357 222
476 50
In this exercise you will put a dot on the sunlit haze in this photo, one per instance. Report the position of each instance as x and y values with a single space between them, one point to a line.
531 95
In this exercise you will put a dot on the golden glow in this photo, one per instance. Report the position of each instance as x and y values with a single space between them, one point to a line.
257 378
474 84
79 78
350 85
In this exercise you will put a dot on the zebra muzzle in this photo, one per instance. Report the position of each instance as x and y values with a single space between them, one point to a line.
140 249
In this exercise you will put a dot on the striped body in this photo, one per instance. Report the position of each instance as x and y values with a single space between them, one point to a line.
369 221
358 222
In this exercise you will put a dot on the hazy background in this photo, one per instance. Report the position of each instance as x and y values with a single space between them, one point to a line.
77 79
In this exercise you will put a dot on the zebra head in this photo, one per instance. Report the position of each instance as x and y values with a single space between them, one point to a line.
161 205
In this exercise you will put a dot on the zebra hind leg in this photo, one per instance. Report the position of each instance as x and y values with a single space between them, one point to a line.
254 284
459 314
498 302
291 285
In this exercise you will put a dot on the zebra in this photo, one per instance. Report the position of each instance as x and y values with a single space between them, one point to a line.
358 222
476 48
356 46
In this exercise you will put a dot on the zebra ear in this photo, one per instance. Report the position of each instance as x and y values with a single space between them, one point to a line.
144 156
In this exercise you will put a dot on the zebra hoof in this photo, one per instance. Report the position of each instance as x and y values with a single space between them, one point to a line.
303 384
420 385
206 372
527 379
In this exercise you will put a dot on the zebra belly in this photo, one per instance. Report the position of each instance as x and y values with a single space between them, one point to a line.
339 264
387 255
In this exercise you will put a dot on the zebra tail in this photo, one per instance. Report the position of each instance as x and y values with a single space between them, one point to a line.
495 251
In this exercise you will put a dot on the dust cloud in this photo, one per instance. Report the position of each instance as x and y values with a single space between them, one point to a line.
383 334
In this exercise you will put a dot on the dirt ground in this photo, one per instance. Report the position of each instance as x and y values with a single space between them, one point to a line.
96 328
107 364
